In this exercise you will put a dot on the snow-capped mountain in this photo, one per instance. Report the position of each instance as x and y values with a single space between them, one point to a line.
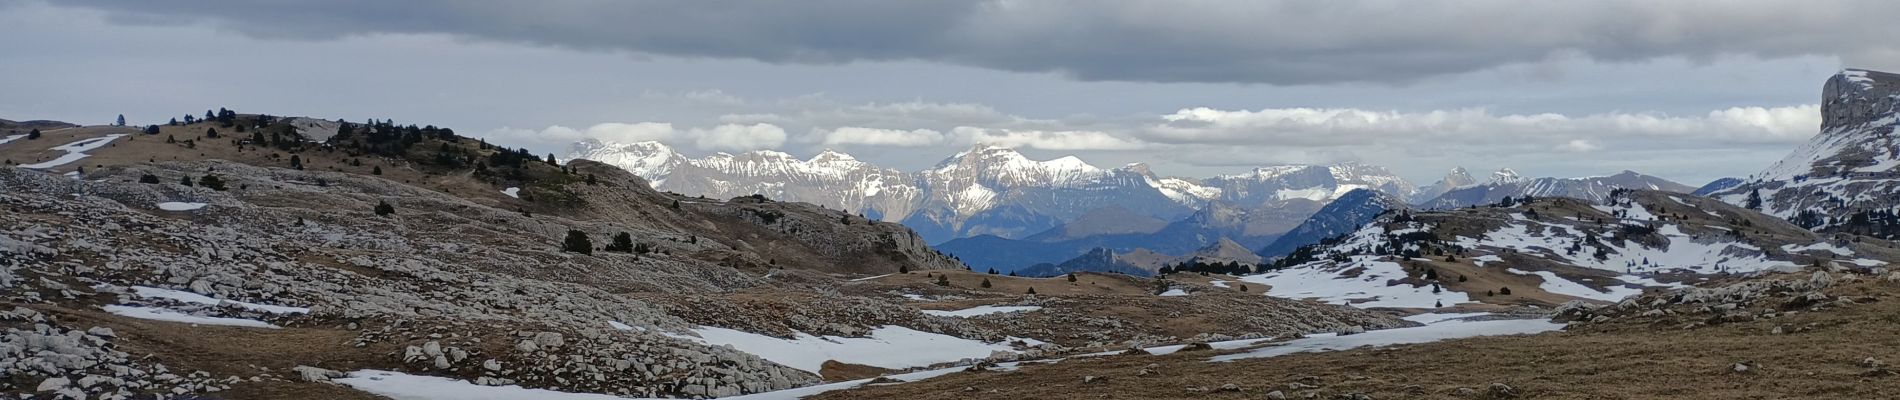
1457 178
989 190
1848 172
1507 183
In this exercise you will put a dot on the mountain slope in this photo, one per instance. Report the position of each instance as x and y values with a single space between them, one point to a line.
1507 183
1554 250
1842 180
1342 216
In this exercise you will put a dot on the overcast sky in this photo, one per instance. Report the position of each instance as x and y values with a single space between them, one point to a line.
1687 90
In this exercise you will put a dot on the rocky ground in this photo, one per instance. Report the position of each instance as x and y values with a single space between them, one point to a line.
1814 334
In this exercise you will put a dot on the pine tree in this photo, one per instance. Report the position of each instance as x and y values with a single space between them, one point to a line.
943 280
148 178
296 162
151 129
211 133
986 283
591 180
384 209
121 121
622 243
903 269
185 181
1032 290
377 170
1071 277
1243 288
33 134
1753 202
1505 291
1461 277
577 243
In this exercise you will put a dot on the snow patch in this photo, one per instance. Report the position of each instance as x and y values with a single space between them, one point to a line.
981 310
891 347
179 206
1372 284
401 386
514 192
74 151
194 298
161 314
1445 330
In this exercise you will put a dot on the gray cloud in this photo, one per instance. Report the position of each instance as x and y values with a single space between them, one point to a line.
1274 42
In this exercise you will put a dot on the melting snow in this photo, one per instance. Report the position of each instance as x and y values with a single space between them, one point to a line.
1372 287
1445 330
179 206
514 192
1433 318
892 347
1174 292
870 278
194 298
981 310
10 138
401 386
161 314
74 151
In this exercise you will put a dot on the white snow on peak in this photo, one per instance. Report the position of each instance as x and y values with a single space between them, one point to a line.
1505 175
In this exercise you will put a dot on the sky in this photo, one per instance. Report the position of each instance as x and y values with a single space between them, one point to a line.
1687 90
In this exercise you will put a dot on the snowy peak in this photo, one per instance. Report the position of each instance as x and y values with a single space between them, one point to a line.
1458 177
1505 175
1858 97
650 160
1007 167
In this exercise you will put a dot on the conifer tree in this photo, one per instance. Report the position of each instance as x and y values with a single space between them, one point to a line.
986 283
384 209
577 243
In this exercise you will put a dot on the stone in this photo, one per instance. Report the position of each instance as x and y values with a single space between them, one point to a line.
1500 390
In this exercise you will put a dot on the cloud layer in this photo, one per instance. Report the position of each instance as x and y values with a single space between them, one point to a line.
1275 42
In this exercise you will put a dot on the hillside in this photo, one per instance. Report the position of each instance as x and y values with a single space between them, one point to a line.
1551 251
1506 183
394 253
1843 179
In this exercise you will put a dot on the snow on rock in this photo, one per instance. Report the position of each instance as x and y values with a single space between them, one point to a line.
161 314
401 386
981 310
891 347
74 151
179 206
194 298
1174 292
1445 330
514 192
1363 282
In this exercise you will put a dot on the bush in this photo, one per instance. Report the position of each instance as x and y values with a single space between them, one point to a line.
148 178
577 243
1032 290
622 243
986 283
212 182
383 208
1505 291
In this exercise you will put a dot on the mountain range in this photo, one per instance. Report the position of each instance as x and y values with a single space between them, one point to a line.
993 207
